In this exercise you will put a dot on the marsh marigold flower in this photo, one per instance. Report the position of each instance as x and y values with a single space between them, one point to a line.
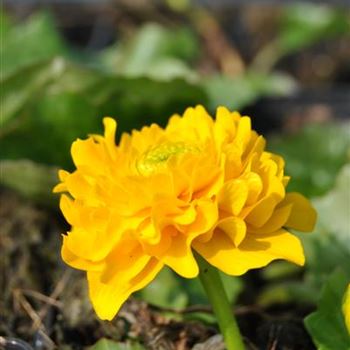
160 194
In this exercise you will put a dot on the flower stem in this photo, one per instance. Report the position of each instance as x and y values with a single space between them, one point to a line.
211 281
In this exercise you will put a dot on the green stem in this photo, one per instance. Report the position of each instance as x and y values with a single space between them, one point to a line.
211 281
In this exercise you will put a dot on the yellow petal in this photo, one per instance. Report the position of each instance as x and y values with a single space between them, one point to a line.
68 210
243 132
261 212
187 216
207 216
110 129
233 162
108 298
255 186
179 256
94 244
126 260
88 153
61 187
276 221
346 308
303 216
79 187
234 228
77 262
62 175
225 126
255 251
233 196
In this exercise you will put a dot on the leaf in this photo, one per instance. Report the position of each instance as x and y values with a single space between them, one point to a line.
32 180
165 291
20 88
50 127
304 24
327 325
334 209
244 90
29 42
49 104
314 156
154 51
107 344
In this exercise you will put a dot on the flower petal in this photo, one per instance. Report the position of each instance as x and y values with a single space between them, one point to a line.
234 228
261 212
108 298
276 221
180 258
255 251
233 196
77 262
303 216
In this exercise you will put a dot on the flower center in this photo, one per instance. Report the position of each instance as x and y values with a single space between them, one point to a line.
156 158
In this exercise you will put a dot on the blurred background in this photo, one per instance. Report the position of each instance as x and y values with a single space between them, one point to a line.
65 64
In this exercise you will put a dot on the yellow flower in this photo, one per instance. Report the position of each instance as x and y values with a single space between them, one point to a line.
346 308
197 185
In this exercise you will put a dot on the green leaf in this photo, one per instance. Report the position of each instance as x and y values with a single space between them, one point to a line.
50 104
334 209
165 291
107 344
304 24
314 156
327 326
244 90
33 41
23 86
156 52
50 127
32 180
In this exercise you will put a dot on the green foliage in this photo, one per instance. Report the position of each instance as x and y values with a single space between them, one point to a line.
34 181
156 52
245 89
165 291
327 325
304 24
314 156
168 290
106 344
30 42
334 209
328 247
49 104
